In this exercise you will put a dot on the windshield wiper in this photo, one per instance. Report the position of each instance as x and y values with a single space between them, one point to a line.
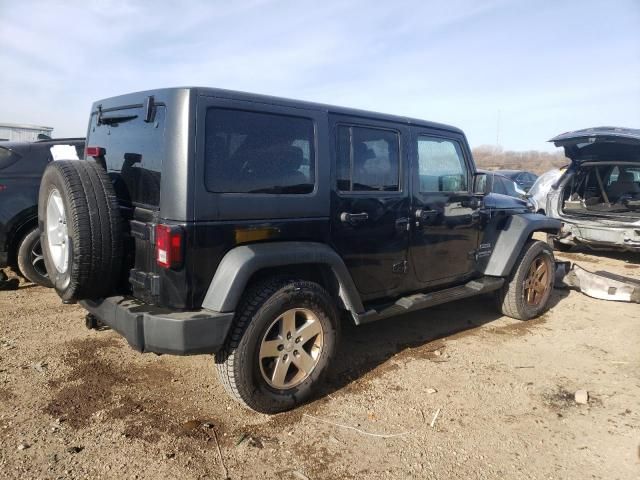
111 119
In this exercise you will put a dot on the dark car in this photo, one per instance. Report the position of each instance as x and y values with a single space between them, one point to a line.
498 183
525 180
21 167
247 226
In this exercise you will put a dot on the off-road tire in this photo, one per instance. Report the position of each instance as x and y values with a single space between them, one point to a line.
94 229
552 240
237 363
510 298
25 258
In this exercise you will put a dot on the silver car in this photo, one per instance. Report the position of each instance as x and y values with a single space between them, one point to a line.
598 196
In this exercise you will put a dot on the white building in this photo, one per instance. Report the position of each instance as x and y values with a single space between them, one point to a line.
22 133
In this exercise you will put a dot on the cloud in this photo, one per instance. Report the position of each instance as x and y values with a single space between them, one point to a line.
458 62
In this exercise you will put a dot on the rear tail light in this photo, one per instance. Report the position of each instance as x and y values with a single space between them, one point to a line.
94 151
169 239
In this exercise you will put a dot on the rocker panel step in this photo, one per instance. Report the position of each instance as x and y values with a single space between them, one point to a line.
419 301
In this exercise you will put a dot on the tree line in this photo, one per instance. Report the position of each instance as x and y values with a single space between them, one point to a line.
492 157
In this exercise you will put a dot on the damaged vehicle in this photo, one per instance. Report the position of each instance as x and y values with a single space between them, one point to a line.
598 196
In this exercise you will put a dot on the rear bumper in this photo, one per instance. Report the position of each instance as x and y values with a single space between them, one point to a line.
153 329
600 235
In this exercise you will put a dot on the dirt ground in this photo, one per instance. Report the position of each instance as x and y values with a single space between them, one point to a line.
456 391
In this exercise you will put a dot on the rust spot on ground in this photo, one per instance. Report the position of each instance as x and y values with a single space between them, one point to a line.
93 391
519 328
431 351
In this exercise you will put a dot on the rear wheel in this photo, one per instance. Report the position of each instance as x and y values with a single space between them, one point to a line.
31 260
281 344
526 292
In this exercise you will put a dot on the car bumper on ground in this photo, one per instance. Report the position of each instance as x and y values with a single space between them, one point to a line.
152 329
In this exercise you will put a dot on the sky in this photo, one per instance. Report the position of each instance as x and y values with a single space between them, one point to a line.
510 73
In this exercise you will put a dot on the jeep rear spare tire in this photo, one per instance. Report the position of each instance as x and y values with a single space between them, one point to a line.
81 229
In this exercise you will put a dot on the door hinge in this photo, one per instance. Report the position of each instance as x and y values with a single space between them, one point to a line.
400 267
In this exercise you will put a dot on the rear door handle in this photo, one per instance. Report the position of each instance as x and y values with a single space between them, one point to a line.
402 224
353 218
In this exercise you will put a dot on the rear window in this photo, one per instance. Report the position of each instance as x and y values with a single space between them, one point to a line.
368 159
257 152
8 157
133 152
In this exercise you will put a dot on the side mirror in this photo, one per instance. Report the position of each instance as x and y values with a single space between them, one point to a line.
480 184
451 183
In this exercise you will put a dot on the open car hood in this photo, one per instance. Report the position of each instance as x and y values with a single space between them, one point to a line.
600 144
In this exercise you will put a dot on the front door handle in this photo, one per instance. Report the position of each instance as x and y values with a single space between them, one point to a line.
353 218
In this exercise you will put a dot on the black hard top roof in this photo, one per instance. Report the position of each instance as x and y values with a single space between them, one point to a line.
287 102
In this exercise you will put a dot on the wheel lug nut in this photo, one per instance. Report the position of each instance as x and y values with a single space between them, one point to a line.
296 353
288 335
298 340
286 357
280 348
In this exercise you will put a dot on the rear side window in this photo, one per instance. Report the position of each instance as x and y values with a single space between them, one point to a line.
368 159
133 152
257 152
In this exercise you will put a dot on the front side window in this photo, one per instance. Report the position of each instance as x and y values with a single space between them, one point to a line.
368 159
441 165
256 152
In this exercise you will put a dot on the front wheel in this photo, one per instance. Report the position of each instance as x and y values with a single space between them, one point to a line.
280 346
527 290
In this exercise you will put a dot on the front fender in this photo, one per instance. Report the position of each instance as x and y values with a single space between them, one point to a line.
240 263
509 240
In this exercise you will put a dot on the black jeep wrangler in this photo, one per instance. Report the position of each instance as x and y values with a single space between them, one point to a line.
248 226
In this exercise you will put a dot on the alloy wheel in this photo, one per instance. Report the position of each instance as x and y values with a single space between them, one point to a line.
291 348
57 234
537 282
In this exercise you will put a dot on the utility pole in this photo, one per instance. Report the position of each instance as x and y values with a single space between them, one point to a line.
498 130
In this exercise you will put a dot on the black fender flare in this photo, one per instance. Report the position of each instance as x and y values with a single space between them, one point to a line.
510 239
240 263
